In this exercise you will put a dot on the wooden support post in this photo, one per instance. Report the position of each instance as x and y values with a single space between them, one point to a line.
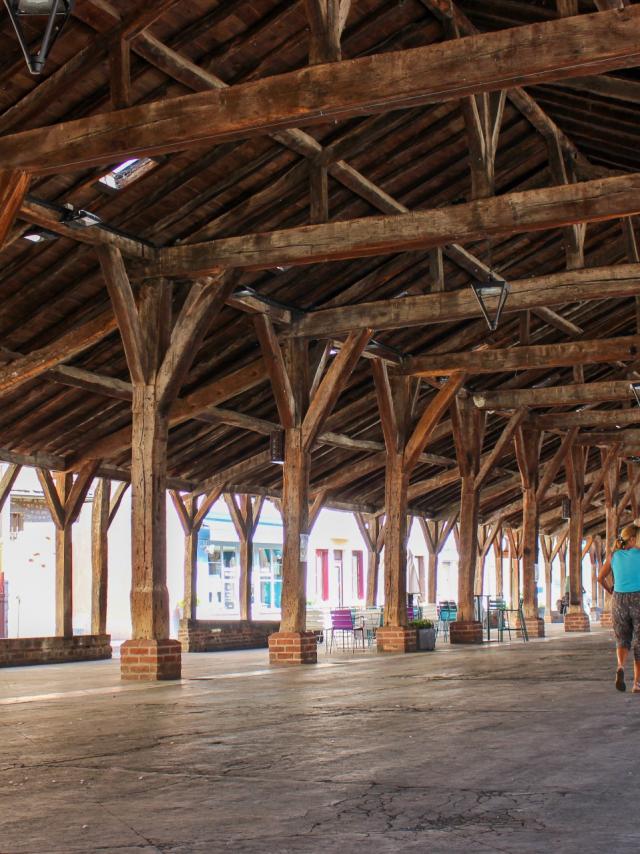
372 531
159 355
498 556
483 117
514 538
302 416
326 22
245 513
435 535
191 515
576 620
404 448
64 564
528 442
611 496
65 498
546 547
468 432
100 556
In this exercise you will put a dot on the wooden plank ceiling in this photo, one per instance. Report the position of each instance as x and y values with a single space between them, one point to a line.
70 400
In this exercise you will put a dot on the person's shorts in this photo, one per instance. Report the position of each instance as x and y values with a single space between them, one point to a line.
625 611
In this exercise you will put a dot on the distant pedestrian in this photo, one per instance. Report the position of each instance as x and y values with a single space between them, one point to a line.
620 576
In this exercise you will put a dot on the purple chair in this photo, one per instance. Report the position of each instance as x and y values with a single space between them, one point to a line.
342 620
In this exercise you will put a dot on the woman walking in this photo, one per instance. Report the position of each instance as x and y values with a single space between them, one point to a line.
624 565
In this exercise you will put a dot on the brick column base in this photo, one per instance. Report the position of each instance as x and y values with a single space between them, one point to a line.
396 639
578 622
606 620
293 648
465 631
150 660
535 627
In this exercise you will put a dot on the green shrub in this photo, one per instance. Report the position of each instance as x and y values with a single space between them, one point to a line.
421 624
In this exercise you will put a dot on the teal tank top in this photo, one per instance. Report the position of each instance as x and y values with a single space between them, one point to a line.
626 570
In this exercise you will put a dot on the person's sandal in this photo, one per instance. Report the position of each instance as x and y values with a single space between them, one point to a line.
636 688
620 684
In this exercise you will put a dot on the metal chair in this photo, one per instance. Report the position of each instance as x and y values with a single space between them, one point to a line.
342 620
447 613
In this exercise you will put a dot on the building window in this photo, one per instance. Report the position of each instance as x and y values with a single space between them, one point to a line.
357 569
16 525
126 173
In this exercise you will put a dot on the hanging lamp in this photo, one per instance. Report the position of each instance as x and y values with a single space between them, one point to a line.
53 13
490 290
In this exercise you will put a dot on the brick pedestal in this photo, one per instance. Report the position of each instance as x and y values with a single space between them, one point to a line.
606 620
578 622
556 617
396 639
293 648
465 631
535 627
150 660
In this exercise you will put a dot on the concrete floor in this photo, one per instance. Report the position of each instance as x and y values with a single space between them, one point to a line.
526 748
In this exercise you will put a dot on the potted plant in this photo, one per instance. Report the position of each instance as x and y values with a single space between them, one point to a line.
425 635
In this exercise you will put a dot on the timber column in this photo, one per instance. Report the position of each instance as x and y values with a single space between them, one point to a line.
303 406
245 513
404 445
611 488
576 620
372 532
528 442
159 354
468 433
435 535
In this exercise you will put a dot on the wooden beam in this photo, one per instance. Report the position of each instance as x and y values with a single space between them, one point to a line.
554 289
79 490
276 369
76 340
13 186
55 505
428 420
488 464
554 465
116 501
6 484
332 385
204 302
608 461
525 358
125 310
589 417
569 395
498 60
523 211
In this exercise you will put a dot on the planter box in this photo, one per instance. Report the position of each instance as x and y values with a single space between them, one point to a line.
426 640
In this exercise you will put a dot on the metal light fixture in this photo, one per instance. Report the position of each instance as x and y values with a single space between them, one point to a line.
56 12
39 235
490 290
566 508
276 447
79 218
635 388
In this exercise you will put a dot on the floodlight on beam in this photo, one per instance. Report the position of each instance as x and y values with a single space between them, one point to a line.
53 13
39 235
80 218
635 388
493 290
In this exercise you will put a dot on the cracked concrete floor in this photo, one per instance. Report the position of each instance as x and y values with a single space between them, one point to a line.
512 748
